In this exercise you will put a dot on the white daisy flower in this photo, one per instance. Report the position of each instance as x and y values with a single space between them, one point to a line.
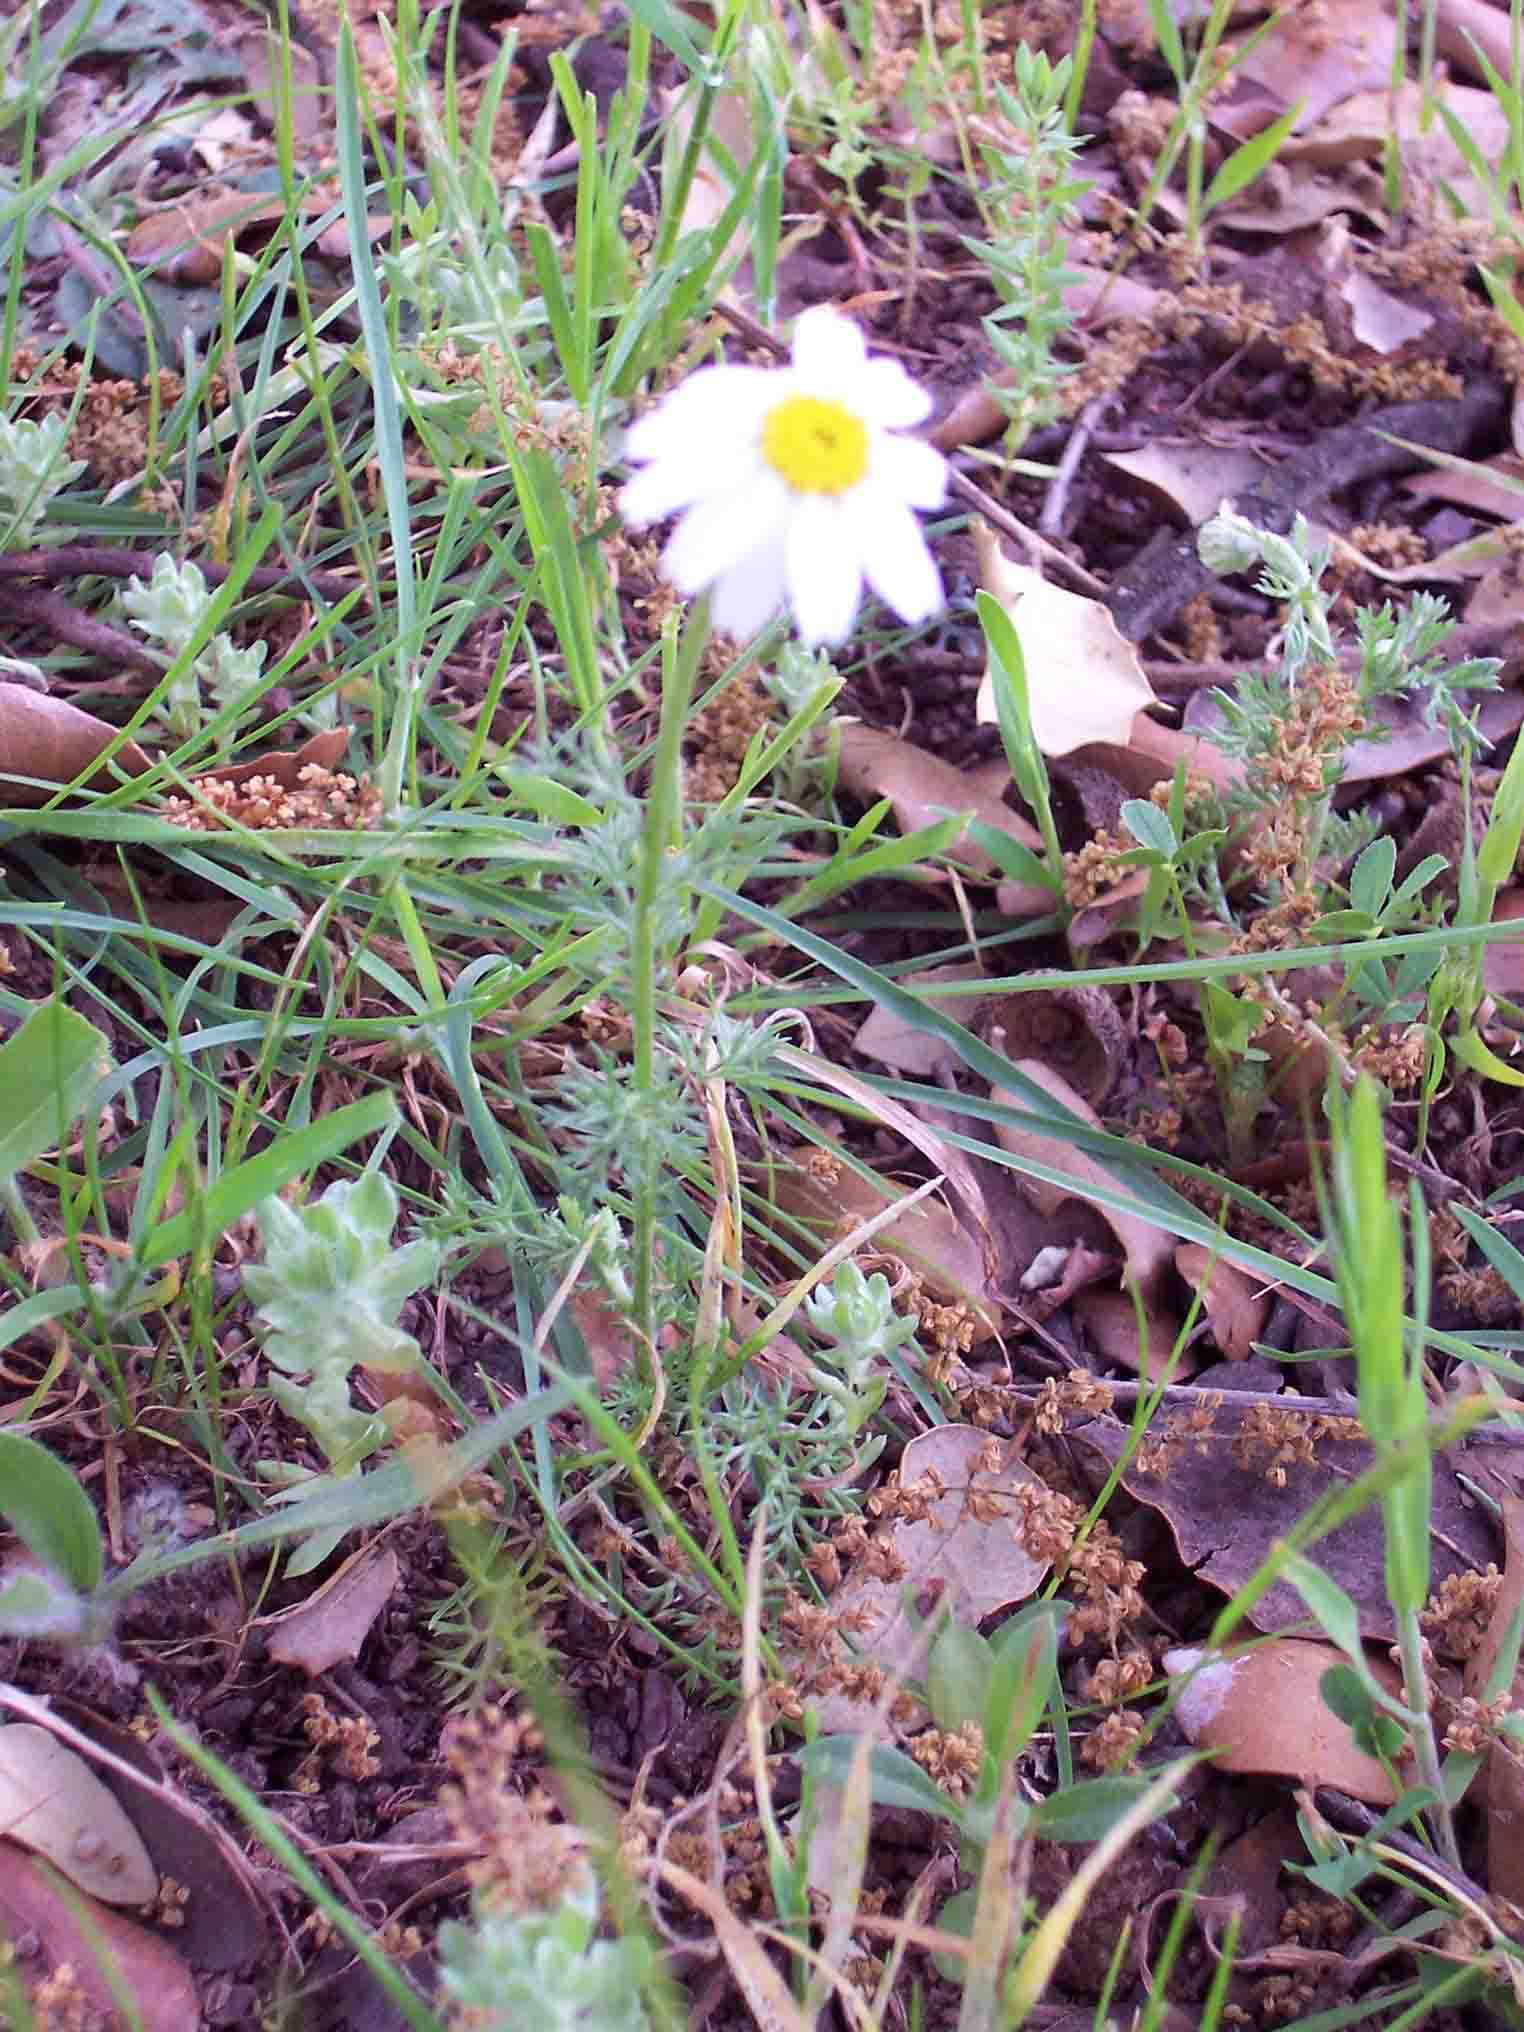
794 485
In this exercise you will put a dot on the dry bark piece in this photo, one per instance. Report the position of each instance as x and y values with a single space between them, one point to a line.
1077 1032
97 1945
1263 1713
54 741
328 1628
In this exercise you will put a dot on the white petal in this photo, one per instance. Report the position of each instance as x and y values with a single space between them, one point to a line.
729 401
716 536
824 577
899 567
908 468
829 353
660 490
886 395
745 599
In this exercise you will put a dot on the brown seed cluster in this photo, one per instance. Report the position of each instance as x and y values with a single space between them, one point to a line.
323 800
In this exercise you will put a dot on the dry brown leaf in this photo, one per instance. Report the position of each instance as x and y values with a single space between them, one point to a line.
970 1565
1110 1324
1490 487
330 1626
262 70
1359 128
1503 1771
1263 1714
1462 27
1291 196
48 738
1503 960
284 766
223 1921
98 1945
1313 58
1147 1251
1232 1492
922 788
185 243
1189 476
51 1801
903 1046
1236 1304
1380 320
927 1238
1084 680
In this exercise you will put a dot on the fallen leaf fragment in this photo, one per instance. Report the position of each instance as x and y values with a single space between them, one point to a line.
1189 476
330 1626
922 788
284 766
51 1801
101 1948
224 1921
825 1194
968 1558
1313 58
1110 1324
1264 1715
54 741
1147 1250
1084 679
1504 1766
1236 1304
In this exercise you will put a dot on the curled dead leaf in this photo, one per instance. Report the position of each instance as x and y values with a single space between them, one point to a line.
1236 1304
1084 679
1147 1251
47 738
1077 1032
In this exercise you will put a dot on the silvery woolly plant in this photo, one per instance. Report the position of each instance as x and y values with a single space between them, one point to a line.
329 1293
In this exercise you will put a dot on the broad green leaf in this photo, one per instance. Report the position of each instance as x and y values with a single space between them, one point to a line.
897 1780
257 1178
958 1677
1248 162
1087 1812
49 1512
48 1071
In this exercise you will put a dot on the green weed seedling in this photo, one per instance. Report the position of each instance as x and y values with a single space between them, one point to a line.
329 1292
1003 1686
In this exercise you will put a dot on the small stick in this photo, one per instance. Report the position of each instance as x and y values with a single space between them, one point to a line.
106 561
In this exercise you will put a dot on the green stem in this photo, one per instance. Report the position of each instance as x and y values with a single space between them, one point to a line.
663 837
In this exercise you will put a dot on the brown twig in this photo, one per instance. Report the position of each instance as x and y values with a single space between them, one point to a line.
35 606
106 561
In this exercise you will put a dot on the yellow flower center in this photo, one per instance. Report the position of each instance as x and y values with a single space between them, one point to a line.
818 447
